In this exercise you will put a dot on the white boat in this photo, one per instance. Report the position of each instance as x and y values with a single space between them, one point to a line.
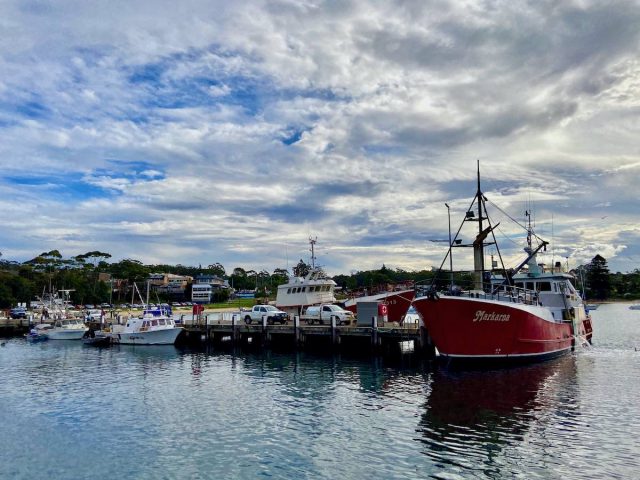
63 329
298 293
154 327
635 307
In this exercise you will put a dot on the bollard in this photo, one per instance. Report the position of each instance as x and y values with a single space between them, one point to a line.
374 331
296 329
234 328
334 333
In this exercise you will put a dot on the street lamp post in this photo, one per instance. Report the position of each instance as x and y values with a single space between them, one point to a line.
450 248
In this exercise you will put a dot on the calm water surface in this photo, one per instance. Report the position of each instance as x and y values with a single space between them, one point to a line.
68 411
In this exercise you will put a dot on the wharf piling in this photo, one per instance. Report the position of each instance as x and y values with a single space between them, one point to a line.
10 327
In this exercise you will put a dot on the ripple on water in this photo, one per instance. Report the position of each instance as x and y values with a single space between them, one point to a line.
165 413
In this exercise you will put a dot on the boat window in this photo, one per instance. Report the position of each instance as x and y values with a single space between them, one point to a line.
127 324
304 289
529 286
161 321
298 290
519 285
288 290
544 286
154 323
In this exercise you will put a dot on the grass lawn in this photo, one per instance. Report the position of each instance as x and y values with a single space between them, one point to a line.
238 303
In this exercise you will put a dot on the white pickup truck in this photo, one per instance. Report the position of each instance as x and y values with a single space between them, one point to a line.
322 314
272 313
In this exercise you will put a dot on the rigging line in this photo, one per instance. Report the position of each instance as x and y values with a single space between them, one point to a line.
513 219
505 236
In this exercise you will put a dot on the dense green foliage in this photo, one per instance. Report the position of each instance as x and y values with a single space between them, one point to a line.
23 282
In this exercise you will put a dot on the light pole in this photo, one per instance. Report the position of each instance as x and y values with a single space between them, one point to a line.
450 248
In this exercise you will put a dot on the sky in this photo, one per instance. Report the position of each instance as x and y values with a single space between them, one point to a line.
200 132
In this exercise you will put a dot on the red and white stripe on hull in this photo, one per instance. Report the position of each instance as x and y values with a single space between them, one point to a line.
477 328
397 303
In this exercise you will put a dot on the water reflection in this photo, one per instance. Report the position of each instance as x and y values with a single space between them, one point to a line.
470 417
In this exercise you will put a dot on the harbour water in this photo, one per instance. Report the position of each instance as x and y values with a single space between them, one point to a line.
69 411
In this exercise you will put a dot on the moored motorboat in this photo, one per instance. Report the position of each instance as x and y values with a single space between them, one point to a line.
154 327
64 329
518 316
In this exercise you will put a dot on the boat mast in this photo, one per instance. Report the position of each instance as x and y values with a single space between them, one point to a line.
478 245
313 241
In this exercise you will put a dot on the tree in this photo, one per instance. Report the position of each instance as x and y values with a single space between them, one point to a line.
598 278
301 269
217 269
94 257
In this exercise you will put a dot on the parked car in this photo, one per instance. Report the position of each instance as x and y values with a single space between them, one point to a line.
272 313
18 312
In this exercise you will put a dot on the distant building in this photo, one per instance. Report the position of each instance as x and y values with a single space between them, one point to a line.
168 283
205 286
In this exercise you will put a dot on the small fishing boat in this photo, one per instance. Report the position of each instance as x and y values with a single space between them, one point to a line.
635 307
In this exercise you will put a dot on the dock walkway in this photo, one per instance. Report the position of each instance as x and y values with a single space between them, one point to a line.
228 327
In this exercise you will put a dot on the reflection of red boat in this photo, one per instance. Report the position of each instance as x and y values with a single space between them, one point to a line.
516 316
397 303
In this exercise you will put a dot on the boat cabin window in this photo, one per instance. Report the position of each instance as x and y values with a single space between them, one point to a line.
161 321
544 286
304 289
154 323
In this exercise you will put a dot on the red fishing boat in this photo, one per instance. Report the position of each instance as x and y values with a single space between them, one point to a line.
397 302
525 314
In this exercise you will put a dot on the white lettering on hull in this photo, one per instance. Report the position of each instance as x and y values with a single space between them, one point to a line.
482 316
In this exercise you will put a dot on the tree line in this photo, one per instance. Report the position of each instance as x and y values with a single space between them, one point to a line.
49 271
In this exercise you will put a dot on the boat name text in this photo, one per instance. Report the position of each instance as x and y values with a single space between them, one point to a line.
482 316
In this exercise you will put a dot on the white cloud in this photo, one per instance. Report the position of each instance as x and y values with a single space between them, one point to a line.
165 124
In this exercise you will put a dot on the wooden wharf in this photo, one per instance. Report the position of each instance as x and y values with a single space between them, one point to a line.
376 338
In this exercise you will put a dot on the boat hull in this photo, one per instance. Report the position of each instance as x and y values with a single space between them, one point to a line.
165 336
66 334
469 328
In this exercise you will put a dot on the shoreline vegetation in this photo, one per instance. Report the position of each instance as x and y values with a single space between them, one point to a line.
91 280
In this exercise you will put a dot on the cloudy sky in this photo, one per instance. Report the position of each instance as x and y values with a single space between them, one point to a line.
206 131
